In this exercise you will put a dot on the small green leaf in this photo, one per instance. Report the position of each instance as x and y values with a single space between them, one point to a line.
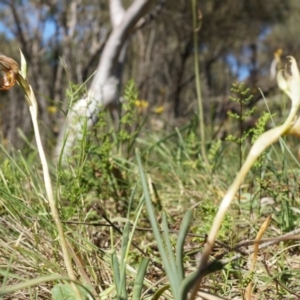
23 70
192 278
116 270
184 227
138 283
160 292
174 277
125 239
66 292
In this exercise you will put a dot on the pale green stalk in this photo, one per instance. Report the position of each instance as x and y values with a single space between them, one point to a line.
49 192
198 85
48 186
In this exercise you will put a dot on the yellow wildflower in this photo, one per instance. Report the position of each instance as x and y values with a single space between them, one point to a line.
52 109
141 103
159 109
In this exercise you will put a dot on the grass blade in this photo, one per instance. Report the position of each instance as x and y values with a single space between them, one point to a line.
192 278
184 227
169 249
123 261
155 228
160 292
116 271
138 283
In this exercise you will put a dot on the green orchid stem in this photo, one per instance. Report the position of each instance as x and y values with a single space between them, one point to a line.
262 143
49 190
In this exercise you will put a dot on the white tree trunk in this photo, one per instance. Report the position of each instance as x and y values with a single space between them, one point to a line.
104 89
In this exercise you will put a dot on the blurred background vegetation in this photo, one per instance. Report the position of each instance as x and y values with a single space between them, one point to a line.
237 42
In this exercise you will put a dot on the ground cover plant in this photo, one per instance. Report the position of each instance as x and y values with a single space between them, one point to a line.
131 211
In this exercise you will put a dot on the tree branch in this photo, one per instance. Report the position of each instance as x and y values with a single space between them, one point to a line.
104 88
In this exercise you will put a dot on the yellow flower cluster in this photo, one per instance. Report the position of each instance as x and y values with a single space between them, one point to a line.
143 104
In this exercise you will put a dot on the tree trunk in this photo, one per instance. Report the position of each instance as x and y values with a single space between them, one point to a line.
104 89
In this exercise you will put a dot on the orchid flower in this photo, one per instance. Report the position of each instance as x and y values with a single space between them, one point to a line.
288 81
